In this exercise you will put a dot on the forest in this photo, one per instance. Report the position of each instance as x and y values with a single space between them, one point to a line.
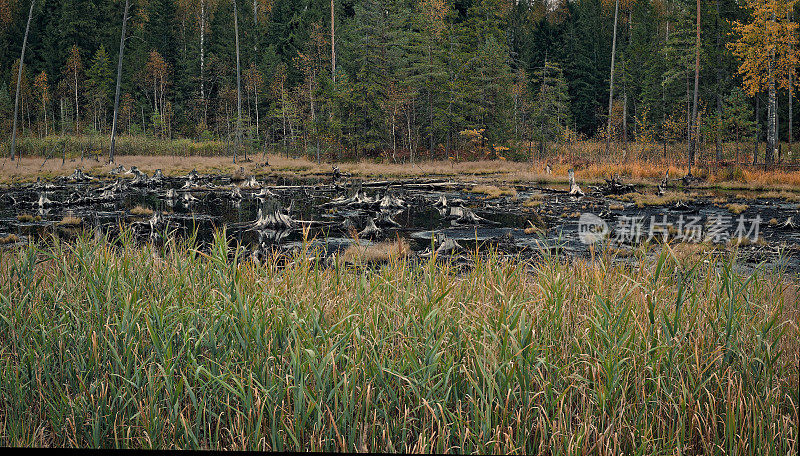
401 79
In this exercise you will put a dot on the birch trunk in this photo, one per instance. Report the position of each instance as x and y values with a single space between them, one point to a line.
772 114
19 82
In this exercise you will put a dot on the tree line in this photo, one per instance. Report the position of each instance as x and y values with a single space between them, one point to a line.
405 78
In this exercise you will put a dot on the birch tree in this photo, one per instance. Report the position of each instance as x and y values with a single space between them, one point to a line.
19 82
767 49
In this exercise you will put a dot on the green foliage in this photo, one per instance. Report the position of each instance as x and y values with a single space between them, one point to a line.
550 116
737 117
417 72
99 80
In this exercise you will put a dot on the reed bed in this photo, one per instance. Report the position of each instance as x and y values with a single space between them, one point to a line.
113 344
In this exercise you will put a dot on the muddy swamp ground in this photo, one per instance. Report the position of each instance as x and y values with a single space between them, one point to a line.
453 217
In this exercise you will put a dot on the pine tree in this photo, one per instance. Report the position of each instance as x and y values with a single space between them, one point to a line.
550 115
737 118
98 83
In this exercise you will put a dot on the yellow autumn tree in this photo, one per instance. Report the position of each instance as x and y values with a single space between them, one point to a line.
73 72
42 92
156 75
766 47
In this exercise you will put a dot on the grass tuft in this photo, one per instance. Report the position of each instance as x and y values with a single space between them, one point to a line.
69 220
28 218
492 191
736 208
9 239
141 210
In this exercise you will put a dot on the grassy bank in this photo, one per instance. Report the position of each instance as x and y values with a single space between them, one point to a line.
145 347
75 146
642 165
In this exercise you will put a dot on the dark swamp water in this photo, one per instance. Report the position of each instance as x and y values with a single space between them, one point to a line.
275 213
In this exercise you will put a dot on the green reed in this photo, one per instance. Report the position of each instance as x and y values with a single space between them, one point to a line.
121 345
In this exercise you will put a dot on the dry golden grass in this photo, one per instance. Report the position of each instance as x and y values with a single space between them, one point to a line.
736 208
688 252
782 194
376 253
642 166
69 220
492 191
745 241
532 203
27 218
10 239
534 200
141 210
641 200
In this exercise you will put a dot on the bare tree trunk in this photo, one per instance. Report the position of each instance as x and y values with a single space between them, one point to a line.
758 130
77 114
19 82
238 85
119 83
791 95
203 59
625 92
718 136
44 111
611 82
333 49
694 121
256 106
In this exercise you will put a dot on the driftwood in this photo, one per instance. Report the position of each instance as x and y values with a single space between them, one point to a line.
44 201
250 184
574 189
235 194
664 185
468 217
158 177
273 217
264 194
383 219
614 186
789 224
390 201
118 170
79 176
371 230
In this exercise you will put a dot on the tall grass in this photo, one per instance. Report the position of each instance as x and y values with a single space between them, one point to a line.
142 346
72 146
